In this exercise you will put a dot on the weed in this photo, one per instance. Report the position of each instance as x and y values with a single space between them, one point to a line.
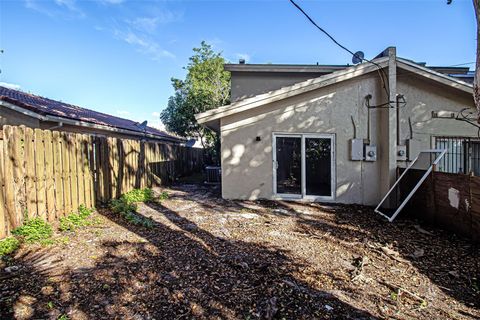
85 212
8 246
34 230
50 305
47 242
126 206
163 196
74 220
63 317
138 195
121 205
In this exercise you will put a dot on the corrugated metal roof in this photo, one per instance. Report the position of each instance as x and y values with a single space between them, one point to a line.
45 106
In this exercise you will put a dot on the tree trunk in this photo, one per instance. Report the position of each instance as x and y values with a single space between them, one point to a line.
476 90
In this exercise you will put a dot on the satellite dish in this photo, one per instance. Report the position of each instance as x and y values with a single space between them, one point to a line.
358 57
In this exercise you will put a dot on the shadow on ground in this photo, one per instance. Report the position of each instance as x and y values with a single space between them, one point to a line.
178 271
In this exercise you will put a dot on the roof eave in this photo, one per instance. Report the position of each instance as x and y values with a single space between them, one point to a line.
41 117
283 93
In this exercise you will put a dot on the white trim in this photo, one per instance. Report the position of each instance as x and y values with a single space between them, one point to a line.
434 75
419 183
303 195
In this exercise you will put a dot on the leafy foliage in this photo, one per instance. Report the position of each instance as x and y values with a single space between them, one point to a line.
75 220
138 195
126 206
34 230
163 196
8 246
206 86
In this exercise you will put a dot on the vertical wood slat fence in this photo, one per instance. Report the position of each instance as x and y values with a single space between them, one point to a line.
448 200
49 174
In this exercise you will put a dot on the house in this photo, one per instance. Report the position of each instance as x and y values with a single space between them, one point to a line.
337 133
21 108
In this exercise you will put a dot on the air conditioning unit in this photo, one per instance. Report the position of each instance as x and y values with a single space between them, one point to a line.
213 175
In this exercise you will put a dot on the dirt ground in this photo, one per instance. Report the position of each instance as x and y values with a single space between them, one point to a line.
208 258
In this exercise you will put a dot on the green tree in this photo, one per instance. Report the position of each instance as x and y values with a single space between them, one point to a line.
206 86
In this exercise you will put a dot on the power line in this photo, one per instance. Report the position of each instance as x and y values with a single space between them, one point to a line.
380 69
463 64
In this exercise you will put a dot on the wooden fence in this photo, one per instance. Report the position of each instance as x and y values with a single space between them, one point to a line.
49 174
448 200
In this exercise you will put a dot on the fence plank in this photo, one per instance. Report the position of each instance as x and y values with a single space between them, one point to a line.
72 154
3 218
67 181
58 178
40 174
49 175
91 164
80 169
86 171
30 175
8 176
19 173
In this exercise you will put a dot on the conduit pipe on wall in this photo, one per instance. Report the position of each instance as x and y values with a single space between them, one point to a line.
398 99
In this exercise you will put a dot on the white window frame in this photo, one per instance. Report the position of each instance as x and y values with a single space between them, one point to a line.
303 195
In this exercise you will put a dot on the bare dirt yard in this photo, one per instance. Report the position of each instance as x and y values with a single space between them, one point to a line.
208 258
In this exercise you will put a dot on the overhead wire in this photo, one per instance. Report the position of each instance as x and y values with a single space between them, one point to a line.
379 68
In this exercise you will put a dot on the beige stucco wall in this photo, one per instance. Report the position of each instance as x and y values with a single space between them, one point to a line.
424 96
247 168
249 84
13 118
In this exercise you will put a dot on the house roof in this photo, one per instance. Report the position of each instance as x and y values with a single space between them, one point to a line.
211 118
52 108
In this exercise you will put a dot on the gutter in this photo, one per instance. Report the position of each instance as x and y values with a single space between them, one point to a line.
83 123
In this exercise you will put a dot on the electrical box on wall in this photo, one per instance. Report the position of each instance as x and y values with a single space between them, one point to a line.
370 152
401 153
356 149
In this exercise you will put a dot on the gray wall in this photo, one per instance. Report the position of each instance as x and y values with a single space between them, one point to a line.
13 118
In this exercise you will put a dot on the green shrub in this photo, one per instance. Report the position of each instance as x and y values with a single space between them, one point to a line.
85 212
34 230
74 220
121 205
126 206
8 246
163 196
138 195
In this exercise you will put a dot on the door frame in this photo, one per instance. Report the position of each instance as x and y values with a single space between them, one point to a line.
303 196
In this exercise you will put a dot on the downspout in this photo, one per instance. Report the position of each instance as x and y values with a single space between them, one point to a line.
398 118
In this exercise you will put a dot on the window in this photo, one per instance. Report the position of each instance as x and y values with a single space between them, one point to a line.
463 155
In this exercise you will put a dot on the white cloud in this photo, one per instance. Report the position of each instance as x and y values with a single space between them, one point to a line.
10 85
112 1
56 9
156 114
150 24
144 45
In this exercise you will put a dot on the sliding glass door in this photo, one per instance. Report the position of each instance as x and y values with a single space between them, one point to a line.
304 166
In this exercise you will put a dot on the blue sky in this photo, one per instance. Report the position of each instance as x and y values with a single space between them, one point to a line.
117 56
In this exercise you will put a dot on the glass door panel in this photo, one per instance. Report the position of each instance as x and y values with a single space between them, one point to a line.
289 165
318 166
